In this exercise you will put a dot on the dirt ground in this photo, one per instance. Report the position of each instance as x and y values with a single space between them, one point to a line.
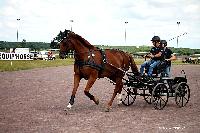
34 101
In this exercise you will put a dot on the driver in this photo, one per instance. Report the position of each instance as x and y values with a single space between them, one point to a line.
155 55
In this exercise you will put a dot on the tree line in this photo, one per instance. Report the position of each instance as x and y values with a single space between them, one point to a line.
37 46
34 46
134 49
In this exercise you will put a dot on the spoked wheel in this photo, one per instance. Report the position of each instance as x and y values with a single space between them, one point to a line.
160 96
147 94
128 95
182 94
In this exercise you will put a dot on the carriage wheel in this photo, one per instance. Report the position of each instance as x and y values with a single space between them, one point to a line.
182 94
128 95
147 95
160 96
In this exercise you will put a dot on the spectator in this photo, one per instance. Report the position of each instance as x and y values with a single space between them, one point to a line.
49 55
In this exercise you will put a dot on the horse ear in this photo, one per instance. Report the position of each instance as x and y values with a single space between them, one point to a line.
60 33
66 32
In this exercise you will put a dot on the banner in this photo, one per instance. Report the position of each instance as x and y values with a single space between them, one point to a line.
16 56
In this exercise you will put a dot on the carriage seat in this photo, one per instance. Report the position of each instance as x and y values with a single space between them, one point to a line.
159 69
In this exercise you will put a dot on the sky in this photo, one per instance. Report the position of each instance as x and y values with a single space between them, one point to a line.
102 22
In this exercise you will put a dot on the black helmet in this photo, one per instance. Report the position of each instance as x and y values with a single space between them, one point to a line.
156 39
163 42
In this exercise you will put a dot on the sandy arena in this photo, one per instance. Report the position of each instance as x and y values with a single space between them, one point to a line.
34 101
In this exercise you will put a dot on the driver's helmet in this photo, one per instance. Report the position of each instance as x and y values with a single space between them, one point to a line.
163 43
155 39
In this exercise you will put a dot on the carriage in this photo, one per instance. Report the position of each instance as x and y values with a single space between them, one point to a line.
156 90
92 63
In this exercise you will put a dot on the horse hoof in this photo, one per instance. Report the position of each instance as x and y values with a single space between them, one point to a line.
107 109
119 102
66 109
96 101
69 106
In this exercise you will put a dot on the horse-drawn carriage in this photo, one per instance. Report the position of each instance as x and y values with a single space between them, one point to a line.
92 63
156 90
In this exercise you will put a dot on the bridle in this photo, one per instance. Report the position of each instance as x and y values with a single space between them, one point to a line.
67 41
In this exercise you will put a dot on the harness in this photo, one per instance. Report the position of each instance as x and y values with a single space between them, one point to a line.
91 61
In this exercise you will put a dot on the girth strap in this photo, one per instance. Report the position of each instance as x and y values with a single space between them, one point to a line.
88 63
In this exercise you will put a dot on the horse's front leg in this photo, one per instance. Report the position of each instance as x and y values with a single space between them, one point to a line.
118 89
76 84
90 82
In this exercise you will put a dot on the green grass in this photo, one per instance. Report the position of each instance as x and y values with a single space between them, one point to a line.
176 62
24 65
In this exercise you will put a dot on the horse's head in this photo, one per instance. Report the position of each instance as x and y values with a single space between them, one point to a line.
71 41
65 42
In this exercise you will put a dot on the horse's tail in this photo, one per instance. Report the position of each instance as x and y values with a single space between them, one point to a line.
134 67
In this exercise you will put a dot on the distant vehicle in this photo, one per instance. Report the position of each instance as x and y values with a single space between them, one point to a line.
19 50
45 55
191 60
34 54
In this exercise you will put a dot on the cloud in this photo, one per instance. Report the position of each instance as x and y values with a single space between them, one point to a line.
102 21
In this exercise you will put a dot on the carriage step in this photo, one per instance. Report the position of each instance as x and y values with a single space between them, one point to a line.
149 84
167 79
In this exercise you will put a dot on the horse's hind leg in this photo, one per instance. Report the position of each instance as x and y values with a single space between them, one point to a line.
118 89
90 82
76 84
119 98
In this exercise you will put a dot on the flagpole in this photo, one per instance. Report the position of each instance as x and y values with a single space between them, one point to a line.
17 28
17 35
71 23
178 23
125 31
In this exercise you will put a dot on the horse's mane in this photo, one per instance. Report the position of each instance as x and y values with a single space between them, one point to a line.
84 42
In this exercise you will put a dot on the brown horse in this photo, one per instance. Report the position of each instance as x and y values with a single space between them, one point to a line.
92 63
